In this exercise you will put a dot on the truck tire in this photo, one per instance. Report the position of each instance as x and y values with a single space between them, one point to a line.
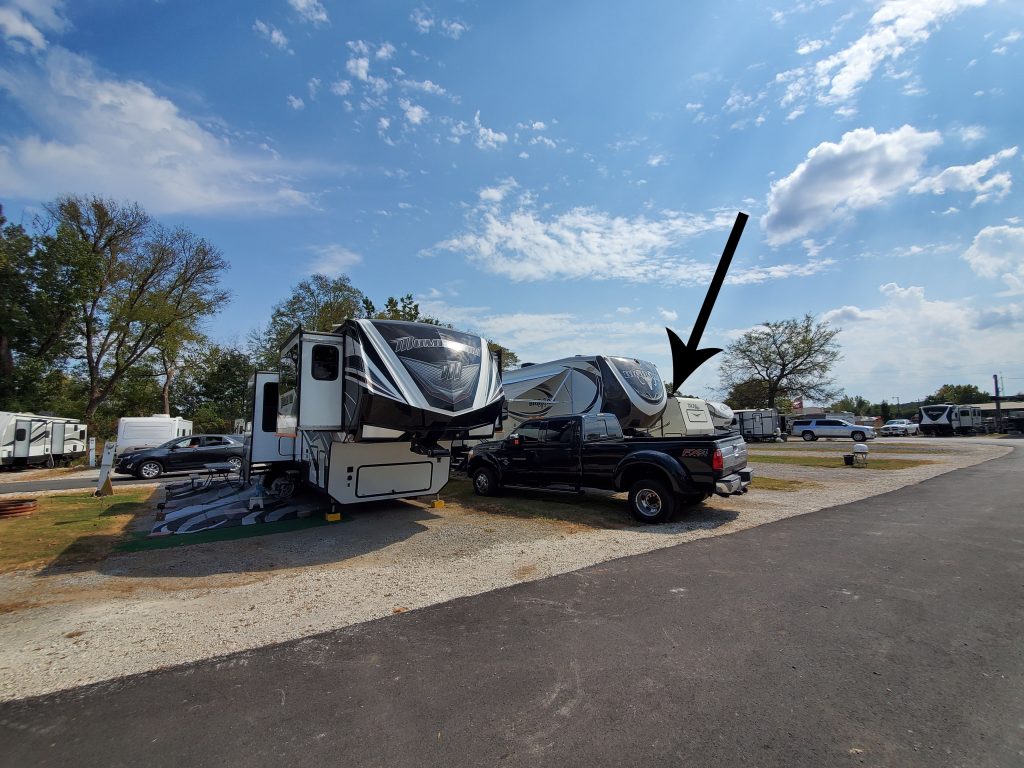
485 482
651 502
808 436
858 437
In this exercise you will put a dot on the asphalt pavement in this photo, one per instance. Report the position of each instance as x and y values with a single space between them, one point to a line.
883 632
72 483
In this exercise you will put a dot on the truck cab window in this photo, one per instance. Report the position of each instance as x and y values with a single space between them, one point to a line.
559 431
529 433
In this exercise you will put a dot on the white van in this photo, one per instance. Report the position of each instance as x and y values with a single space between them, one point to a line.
135 432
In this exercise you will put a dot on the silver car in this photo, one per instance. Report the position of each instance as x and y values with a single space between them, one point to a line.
812 429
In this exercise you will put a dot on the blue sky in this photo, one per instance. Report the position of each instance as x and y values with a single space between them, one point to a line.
562 177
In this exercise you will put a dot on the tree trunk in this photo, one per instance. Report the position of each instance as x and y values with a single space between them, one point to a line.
169 374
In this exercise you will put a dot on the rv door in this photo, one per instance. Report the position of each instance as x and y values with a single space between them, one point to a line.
22 438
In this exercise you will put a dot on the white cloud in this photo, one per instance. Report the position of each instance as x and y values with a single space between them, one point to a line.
668 315
341 88
498 193
313 86
971 133
998 252
118 138
23 22
271 33
544 141
485 137
862 170
426 86
909 345
295 102
385 52
656 160
310 10
517 242
332 260
810 46
971 178
358 67
896 27
414 113
422 20
453 29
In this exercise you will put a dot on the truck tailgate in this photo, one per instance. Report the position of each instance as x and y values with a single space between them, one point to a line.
734 454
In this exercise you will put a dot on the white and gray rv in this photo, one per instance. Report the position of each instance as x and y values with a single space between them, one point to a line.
368 411
28 439
630 389
950 419
760 425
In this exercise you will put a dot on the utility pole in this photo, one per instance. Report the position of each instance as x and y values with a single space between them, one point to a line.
899 411
999 411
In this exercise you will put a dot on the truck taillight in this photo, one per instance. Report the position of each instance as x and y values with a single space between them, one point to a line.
718 461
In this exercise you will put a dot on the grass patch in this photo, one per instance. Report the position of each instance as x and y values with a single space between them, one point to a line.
836 462
777 484
71 528
140 542
822 446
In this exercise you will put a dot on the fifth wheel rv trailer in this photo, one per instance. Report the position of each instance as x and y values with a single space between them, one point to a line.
137 432
630 389
368 411
950 419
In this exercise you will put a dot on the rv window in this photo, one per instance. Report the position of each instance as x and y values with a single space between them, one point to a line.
965 412
19 434
268 418
326 360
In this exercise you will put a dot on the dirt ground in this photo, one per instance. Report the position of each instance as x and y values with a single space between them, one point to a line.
64 627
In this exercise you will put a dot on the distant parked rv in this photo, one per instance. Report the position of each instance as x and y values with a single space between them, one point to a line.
135 432
28 439
950 419
760 425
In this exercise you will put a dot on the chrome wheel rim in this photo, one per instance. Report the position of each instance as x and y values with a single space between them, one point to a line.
149 470
648 503
482 482
236 464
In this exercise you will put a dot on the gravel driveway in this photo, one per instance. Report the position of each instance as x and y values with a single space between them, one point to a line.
138 612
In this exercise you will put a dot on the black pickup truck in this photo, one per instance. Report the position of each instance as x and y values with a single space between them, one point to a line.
589 451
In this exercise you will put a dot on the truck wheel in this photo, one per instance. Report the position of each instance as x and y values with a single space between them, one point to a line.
808 436
651 502
485 482
858 437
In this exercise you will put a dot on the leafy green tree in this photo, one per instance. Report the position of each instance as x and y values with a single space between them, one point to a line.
792 358
958 393
853 404
317 304
752 393
402 308
43 281
509 359
152 282
212 385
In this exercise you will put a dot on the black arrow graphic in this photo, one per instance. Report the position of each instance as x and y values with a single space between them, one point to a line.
686 358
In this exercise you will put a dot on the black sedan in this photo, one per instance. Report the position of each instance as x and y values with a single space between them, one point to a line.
181 453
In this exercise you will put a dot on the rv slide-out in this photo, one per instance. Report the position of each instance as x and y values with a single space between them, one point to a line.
28 439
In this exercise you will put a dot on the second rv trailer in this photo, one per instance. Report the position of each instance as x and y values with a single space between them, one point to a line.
950 419
630 389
